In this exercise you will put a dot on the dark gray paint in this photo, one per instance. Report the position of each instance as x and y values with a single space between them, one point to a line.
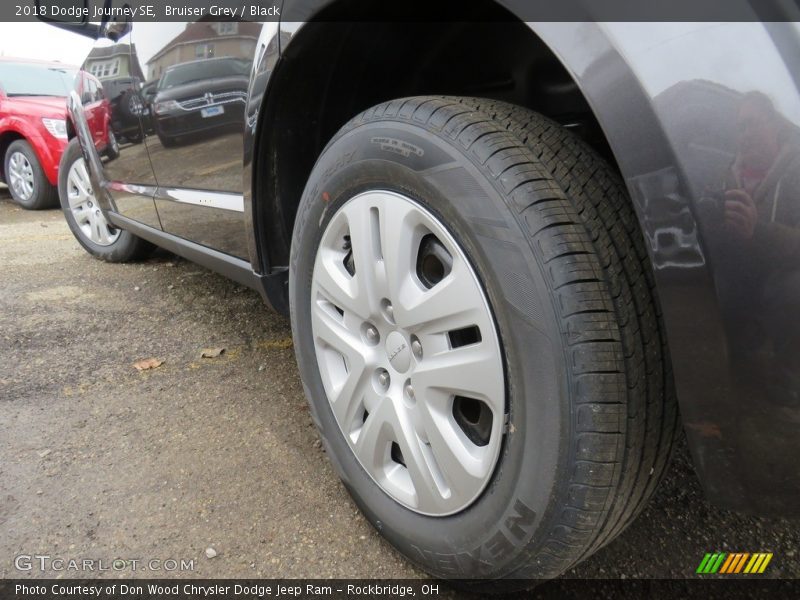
672 100
730 303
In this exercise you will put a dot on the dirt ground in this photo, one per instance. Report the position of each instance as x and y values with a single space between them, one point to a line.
100 461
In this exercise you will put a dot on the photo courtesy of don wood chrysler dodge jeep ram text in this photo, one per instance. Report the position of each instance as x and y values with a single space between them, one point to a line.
509 260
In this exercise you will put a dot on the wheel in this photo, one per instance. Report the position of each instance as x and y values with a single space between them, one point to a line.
478 337
84 217
130 106
112 148
26 180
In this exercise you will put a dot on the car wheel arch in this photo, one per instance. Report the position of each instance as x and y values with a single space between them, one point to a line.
278 171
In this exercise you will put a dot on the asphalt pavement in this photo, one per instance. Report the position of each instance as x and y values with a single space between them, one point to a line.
216 460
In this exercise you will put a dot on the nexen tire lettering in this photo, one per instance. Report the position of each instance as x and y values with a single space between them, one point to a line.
497 547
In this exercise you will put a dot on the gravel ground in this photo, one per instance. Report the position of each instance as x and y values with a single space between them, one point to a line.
98 460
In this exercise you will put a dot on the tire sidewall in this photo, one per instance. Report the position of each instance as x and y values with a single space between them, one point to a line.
526 491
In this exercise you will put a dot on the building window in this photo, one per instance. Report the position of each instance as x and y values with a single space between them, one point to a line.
106 68
227 28
204 51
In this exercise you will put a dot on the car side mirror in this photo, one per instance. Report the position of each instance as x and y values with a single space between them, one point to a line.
69 15
117 30
72 16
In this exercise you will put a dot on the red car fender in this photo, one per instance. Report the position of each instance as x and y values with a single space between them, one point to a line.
48 148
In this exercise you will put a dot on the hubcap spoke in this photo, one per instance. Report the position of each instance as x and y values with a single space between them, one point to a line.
461 468
365 240
375 438
401 235
449 305
101 228
430 487
469 371
390 362
347 391
352 395
82 214
415 482
336 284
81 181
329 330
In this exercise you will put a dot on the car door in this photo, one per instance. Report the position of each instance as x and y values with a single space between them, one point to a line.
131 181
197 120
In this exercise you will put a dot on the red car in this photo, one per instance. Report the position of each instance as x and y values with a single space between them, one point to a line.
33 131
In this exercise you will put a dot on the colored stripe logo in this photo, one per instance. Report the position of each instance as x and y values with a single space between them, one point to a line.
734 563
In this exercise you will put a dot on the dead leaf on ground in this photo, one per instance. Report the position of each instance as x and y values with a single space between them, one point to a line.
211 352
148 363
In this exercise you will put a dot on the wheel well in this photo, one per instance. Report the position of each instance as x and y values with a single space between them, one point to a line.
5 141
70 129
330 71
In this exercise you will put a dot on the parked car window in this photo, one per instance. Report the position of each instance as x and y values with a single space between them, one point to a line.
30 79
203 69
92 91
86 91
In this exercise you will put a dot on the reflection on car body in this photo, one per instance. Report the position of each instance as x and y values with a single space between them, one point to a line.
148 94
126 106
33 124
200 96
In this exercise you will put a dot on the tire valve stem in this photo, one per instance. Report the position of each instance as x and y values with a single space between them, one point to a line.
346 245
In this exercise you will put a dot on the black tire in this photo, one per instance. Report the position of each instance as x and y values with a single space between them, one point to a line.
552 236
112 148
128 111
599 195
44 194
127 247
130 106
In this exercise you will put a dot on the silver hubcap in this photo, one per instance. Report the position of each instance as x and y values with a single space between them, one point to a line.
84 206
20 175
408 352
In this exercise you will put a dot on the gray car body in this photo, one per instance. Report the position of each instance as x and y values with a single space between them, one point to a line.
667 97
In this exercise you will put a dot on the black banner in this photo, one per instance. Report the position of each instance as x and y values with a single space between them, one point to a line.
731 588
407 10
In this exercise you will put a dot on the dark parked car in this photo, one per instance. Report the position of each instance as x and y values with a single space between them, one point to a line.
509 250
148 93
200 96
